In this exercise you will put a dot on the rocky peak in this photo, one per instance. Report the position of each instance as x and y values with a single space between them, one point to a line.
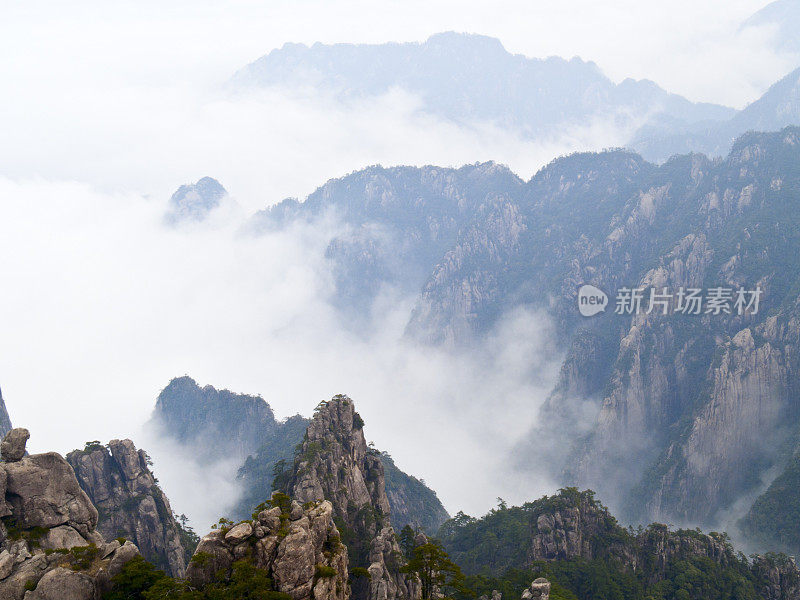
49 546
119 482
335 464
193 416
193 202
5 421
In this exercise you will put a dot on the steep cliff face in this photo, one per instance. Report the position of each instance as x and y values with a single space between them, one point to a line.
299 548
49 545
335 464
666 415
193 416
130 503
5 420
398 222
780 577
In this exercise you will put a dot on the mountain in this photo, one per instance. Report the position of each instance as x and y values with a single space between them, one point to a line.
193 201
773 520
130 503
575 542
681 416
237 424
692 398
390 240
5 420
472 79
334 464
219 424
49 545
783 16
779 107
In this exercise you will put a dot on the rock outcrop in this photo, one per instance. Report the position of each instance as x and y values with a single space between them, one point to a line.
780 577
299 547
130 503
5 420
335 464
50 548
538 590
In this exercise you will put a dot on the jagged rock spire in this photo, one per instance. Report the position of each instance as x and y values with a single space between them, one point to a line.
335 464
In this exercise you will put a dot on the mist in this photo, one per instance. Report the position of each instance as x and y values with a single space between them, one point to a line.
106 110
104 304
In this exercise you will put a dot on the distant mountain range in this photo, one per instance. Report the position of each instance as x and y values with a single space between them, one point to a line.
472 79
784 17
779 107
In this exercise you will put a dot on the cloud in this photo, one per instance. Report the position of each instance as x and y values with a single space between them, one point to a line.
103 304
108 107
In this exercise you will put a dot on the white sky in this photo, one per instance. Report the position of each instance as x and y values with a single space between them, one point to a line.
107 107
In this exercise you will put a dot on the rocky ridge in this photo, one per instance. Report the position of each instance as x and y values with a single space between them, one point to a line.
573 526
50 548
298 546
130 503
335 464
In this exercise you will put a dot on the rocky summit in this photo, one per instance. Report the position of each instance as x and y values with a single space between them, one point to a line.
130 503
335 464
50 548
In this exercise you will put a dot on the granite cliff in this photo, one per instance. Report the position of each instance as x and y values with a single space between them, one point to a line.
118 481
335 464
50 548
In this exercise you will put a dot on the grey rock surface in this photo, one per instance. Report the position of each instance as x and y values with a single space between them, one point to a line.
12 448
118 480
303 556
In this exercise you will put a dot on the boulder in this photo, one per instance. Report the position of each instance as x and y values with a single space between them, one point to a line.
63 536
64 584
308 562
6 564
239 533
211 557
271 519
43 492
121 556
12 447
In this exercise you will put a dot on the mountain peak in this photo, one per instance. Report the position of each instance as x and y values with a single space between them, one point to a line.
193 201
